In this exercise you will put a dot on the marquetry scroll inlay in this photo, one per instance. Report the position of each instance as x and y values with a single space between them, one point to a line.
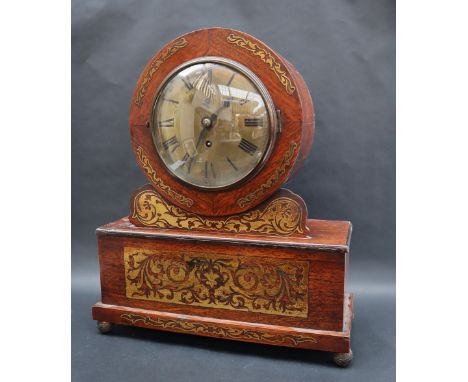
281 216
215 330
285 164
216 280
154 66
266 57
157 181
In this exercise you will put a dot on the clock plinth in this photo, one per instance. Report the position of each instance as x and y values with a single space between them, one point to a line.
269 275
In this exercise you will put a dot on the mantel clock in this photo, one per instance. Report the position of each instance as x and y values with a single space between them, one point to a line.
213 245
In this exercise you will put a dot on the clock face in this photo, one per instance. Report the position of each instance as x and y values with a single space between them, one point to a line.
212 124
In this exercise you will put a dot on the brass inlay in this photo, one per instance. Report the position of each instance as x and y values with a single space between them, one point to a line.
266 57
285 163
143 159
214 330
282 216
154 66
251 284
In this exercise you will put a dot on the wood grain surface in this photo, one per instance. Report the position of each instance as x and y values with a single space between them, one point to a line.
325 252
326 340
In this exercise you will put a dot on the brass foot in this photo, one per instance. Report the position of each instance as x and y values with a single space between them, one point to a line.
104 327
343 359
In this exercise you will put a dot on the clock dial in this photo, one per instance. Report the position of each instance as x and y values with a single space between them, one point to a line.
211 125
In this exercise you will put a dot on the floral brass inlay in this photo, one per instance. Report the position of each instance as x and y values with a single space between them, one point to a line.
143 159
266 57
154 66
214 330
285 163
282 216
233 282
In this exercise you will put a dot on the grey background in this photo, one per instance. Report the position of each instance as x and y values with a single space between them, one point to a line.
346 52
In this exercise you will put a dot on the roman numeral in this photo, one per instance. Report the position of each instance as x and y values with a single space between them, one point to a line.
190 163
210 75
171 141
245 100
184 158
253 122
187 83
232 163
166 123
175 147
230 80
170 100
247 146
212 170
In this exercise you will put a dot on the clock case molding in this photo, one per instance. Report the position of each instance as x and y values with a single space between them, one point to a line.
243 264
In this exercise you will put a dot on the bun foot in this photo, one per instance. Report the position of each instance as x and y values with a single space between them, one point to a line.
343 359
104 327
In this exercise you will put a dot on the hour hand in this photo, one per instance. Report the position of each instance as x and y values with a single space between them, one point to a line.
201 136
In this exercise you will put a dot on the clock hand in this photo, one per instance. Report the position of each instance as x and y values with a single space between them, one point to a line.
213 118
201 136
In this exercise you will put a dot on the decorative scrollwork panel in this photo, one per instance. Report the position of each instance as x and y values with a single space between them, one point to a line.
281 216
266 57
285 164
243 283
154 66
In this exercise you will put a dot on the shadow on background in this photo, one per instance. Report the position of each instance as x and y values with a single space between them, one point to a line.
227 347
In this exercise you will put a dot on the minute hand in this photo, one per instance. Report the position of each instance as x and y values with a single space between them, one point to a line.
201 136
214 116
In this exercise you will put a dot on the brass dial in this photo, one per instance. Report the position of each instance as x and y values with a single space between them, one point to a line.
212 124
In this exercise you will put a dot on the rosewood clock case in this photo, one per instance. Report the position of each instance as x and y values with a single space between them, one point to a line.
244 263
287 89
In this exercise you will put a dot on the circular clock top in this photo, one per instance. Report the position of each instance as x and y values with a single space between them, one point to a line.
213 123
218 121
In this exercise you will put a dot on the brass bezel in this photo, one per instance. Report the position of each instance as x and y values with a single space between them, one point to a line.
275 125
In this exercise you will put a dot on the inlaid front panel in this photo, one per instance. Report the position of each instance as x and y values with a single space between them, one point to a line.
233 282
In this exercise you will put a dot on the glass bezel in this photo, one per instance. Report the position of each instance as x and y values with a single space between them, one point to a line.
271 112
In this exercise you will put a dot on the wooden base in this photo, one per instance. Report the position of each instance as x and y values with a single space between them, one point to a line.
285 290
325 340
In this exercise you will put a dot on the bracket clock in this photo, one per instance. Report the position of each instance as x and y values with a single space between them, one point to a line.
213 246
